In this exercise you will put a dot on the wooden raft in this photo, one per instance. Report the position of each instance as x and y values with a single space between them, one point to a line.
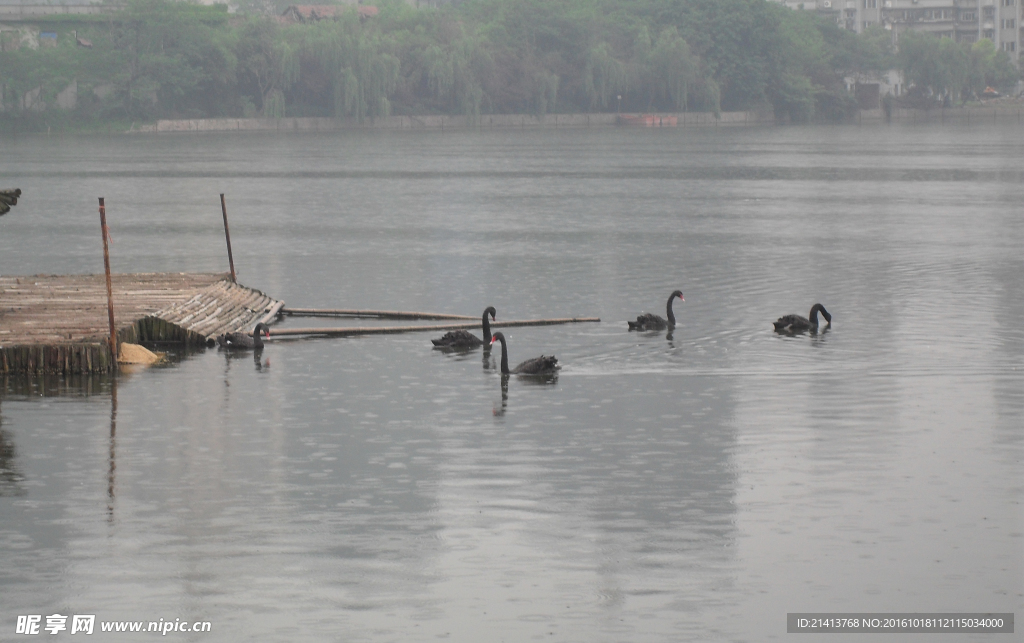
58 323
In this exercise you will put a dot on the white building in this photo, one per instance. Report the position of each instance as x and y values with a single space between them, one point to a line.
961 20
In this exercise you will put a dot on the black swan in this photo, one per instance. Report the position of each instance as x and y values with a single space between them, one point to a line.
796 323
651 321
241 341
8 198
466 339
543 365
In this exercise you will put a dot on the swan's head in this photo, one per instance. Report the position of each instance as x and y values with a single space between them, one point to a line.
498 337
677 293
262 328
491 311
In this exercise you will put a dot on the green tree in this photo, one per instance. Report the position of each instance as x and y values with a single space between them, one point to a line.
49 70
672 70
604 76
159 53
454 71
991 67
268 65
936 67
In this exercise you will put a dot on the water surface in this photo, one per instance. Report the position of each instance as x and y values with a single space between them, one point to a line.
692 487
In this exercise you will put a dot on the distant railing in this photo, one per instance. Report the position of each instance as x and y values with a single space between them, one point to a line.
16 12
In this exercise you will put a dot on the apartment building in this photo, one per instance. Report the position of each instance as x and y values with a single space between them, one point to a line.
961 20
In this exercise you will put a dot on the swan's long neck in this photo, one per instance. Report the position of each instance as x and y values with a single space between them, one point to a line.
813 315
504 356
257 336
668 311
487 330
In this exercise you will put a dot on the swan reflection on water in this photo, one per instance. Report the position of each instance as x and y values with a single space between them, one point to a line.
11 478
500 412
817 334
257 358
231 356
544 379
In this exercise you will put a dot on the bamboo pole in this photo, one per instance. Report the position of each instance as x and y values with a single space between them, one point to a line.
106 268
227 237
385 330
381 314
272 313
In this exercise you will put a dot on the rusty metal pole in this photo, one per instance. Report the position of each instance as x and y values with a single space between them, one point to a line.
106 269
227 236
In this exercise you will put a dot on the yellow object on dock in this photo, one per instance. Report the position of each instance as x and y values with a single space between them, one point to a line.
135 354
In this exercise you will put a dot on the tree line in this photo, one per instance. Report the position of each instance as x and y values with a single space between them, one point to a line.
171 59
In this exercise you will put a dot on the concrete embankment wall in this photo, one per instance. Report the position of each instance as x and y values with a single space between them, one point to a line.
686 119
436 122
966 115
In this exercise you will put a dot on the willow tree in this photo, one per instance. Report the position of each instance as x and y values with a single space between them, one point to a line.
672 70
268 62
454 71
357 59
604 76
545 91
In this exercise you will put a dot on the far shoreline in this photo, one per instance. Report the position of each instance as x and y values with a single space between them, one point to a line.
974 114
524 121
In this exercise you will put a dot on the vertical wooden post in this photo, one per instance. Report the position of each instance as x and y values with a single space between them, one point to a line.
110 294
227 236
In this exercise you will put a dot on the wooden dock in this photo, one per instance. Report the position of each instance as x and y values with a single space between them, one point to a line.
58 324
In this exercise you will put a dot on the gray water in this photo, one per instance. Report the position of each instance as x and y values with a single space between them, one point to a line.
692 487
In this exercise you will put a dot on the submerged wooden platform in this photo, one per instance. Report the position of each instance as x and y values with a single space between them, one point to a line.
58 323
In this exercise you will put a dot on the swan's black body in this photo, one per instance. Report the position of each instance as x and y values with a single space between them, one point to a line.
465 339
651 321
543 365
241 341
8 198
796 323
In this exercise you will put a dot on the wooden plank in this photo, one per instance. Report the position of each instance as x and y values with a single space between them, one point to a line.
384 330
